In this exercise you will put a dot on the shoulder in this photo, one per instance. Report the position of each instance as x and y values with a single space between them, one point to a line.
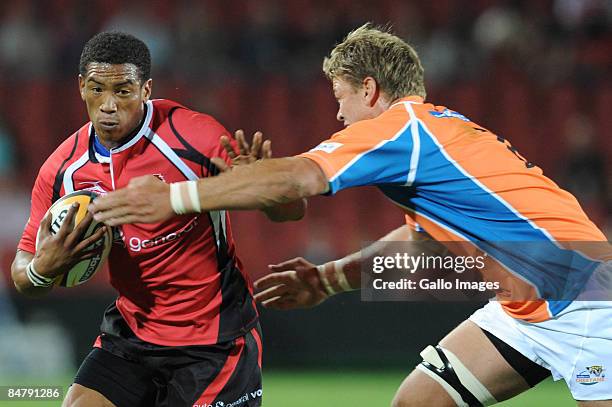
184 123
441 117
178 114
69 150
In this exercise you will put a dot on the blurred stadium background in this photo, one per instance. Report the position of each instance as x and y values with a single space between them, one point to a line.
538 72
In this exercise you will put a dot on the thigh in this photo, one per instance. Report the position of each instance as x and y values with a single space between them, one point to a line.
81 396
109 380
469 343
219 375
602 403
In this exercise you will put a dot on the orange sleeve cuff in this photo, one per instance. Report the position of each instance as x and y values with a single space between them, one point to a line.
325 165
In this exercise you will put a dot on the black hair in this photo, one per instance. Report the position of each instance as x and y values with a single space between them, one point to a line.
114 47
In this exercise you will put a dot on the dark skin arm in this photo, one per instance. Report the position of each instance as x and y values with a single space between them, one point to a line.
56 254
18 273
263 184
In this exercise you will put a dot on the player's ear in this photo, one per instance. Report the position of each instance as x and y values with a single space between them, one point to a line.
371 91
82 87
146 90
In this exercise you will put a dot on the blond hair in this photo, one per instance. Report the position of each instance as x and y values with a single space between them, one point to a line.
375 52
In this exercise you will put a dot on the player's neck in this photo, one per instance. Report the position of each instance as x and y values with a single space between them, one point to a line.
110 143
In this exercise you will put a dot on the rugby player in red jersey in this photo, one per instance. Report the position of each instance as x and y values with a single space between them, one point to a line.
184 329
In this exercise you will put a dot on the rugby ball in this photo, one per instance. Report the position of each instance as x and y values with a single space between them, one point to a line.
85 269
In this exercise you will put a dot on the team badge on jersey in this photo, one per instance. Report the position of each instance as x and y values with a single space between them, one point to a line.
592 375
328 147
94 186
448 113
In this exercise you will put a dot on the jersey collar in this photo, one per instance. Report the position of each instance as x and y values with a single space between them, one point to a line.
97 152
99 147
408 99
102 155
144 129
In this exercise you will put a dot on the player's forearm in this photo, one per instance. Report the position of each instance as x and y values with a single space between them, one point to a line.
264 184
351 265
20 278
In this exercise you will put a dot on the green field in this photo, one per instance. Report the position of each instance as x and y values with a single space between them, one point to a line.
322 389
342 389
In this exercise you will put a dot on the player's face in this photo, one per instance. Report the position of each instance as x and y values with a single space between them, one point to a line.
114 98
353 104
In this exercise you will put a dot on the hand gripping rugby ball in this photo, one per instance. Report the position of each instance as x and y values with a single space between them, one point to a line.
85 269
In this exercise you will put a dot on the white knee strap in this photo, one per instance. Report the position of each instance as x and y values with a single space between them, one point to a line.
467 379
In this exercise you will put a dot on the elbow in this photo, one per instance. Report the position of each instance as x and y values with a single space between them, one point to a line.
299 212
293 179
15 277
22 291
288 212
308 178
18 284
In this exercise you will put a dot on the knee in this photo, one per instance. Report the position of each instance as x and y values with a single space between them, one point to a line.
438 399
407 397
419 390
399 401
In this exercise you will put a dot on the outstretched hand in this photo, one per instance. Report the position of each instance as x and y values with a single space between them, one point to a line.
292 284
246 154
259 149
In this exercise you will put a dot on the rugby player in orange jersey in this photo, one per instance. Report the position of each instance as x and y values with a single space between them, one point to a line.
456 181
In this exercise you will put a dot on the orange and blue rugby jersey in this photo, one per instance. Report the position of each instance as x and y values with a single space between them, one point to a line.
459 182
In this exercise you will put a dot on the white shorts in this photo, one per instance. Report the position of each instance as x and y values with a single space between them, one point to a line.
575 346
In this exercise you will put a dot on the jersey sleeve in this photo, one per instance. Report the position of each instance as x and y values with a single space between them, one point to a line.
370 152
200 133
42 194
219 150
215 130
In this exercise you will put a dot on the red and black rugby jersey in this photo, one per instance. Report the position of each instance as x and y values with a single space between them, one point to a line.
180 281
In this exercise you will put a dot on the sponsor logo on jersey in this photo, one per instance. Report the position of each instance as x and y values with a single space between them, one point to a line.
251 395
327 147
136 244
592 375
448 113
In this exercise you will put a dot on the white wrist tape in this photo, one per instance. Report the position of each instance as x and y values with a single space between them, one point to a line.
36 279
330 273
184 197
341 277
323 277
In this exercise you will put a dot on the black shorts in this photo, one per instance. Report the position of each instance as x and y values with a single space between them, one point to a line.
132 373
